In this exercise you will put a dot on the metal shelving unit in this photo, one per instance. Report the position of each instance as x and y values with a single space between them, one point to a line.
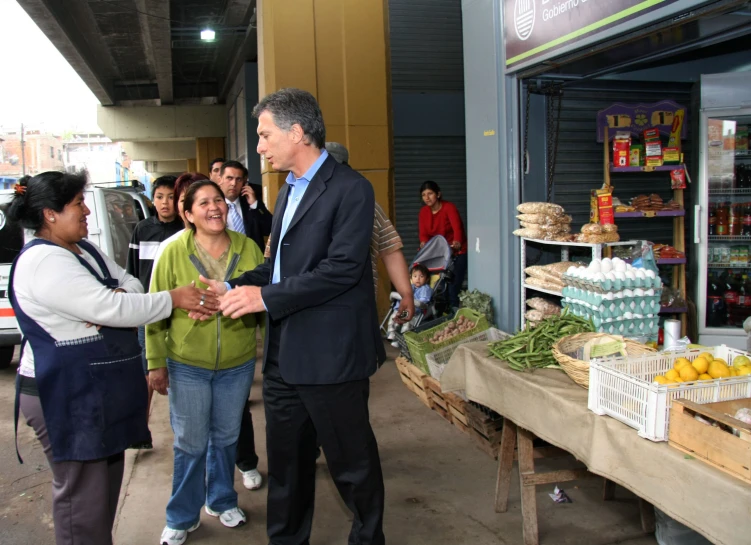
597 250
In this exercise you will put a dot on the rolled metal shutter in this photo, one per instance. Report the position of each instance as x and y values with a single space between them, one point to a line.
416 159
579 166
426 45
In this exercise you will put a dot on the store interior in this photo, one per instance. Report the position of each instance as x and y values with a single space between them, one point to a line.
705 263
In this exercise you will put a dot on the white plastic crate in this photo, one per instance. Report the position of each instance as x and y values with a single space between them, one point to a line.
623 388
438 360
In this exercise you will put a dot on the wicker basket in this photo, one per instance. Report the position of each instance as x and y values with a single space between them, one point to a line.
578 370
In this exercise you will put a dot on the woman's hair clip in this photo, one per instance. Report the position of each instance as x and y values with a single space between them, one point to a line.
19 189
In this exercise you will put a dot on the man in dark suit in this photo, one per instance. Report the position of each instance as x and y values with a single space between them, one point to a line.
246 212
322 339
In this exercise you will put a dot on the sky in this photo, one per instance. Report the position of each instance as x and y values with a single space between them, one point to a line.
38 86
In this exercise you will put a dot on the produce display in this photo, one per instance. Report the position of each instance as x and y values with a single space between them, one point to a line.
479 302
665 251
546 307
617 297
531 348
452 329
705 367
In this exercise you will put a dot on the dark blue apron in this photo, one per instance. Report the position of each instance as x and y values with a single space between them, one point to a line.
93 394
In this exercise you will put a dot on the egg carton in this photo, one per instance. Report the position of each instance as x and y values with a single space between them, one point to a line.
608 285
647 325
597 298
624 308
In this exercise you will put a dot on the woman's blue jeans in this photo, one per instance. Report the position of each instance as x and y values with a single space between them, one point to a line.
205 413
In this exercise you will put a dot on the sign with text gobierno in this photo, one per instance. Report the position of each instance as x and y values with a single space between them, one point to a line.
533 28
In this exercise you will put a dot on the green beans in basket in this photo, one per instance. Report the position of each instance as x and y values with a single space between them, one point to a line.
531 348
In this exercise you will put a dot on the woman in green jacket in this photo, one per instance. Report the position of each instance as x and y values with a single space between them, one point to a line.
207 365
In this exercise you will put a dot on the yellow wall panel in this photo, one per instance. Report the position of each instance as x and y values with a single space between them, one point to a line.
272 182
369 147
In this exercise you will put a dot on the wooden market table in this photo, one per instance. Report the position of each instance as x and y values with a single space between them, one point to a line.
548 404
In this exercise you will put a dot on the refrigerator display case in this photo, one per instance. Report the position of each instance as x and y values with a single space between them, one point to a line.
722 215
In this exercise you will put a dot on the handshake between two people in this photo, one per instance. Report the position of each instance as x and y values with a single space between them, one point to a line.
235 303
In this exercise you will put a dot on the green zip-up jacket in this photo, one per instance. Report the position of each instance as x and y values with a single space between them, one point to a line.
217 343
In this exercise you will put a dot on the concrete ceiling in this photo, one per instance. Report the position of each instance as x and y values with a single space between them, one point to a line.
131 52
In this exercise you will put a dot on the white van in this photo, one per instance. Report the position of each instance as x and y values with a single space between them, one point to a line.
114 215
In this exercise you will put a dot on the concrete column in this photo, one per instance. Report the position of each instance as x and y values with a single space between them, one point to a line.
339 54
208 149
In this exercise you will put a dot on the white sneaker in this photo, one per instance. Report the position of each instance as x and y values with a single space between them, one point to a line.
252 480
171 536
231 518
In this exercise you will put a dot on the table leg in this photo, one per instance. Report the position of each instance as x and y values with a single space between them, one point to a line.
608 490
647 513
529 500
505 464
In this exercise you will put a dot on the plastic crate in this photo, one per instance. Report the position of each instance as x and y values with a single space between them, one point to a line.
399 336
623 388
419 342
438 360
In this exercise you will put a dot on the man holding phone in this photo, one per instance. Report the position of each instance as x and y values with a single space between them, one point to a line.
246 212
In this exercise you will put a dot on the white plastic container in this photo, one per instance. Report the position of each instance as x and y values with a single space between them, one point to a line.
438 360
623 388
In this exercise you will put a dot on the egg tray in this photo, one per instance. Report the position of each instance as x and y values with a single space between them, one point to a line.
640 307
607 285
620 326
598 299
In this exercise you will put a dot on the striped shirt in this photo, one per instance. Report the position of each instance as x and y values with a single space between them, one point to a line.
383 241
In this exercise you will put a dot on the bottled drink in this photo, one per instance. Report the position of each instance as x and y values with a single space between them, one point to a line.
731 296
723 220
746 220
716 311
736 221
712 219
742 293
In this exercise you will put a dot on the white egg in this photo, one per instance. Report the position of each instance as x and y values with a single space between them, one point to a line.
607 265
650 274
609 296
610 276
638 292
599 277
640 274
620 275
650 292
595 266
618 295
628 315
630 275
619 266
628 293
570 271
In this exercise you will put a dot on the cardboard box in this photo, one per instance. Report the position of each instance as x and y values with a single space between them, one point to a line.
674 141
671 156
621 149
653 161
651 134
636 155
605 205
594 212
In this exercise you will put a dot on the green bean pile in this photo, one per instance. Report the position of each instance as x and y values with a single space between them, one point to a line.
531 348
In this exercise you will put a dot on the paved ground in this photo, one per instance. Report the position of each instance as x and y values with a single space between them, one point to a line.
439 487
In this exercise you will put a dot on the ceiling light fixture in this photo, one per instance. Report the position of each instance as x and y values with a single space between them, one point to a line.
208 35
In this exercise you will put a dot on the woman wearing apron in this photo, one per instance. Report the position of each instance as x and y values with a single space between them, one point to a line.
207 365
78 383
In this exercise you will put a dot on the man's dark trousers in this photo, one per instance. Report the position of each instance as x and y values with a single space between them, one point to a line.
297 419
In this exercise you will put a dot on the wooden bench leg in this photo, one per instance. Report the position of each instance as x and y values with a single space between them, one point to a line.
647 513
608 490
505 464
529 500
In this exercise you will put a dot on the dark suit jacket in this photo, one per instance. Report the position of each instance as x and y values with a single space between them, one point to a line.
257 222
323 303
